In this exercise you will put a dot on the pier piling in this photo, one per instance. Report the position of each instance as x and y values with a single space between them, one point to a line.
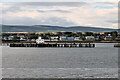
66 45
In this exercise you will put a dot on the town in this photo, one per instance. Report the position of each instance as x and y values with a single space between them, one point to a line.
60 36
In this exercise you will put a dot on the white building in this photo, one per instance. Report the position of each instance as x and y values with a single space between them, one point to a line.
39 40
22 38
89 37
78 39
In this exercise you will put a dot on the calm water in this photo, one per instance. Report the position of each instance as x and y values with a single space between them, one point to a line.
101 61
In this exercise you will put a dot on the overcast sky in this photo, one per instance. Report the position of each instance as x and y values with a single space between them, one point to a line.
96 13
59 0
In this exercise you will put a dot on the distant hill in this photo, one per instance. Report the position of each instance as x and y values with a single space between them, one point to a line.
47 28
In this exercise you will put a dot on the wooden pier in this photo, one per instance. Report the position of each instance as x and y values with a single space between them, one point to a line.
59 45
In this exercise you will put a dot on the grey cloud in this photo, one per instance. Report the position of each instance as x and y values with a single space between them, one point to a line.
112 3
31 21
50 4
63 11
16 7
58 21
25 20
113 21
12 9
41 11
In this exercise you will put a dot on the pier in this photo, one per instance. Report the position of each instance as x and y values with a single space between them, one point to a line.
59 45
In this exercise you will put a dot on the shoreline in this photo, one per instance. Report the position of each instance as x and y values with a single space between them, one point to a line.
59 79
61 42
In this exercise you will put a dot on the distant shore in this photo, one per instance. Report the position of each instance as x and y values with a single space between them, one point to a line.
62 42
84 41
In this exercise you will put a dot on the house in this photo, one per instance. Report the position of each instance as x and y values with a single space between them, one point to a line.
70 38
54 37
4 38
63 38
117 38
46 39
90 38
78 39
108 37
54 40
97 38
59 33
10 37
103 33
39 40
21 38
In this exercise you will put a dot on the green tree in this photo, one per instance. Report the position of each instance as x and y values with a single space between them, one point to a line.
16 38
114 34
89 33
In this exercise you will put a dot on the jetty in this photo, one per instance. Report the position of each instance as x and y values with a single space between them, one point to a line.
54 45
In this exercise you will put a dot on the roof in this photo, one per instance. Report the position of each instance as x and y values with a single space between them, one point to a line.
10 37
88 37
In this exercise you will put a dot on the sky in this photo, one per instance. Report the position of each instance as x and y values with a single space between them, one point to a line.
94 13
59 0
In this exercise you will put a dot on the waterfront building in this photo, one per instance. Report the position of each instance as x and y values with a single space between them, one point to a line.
63 38
46 39
21 38
54 37
54 40
78 39
39 40
70 38
10 37
108 37
117 38
90 38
